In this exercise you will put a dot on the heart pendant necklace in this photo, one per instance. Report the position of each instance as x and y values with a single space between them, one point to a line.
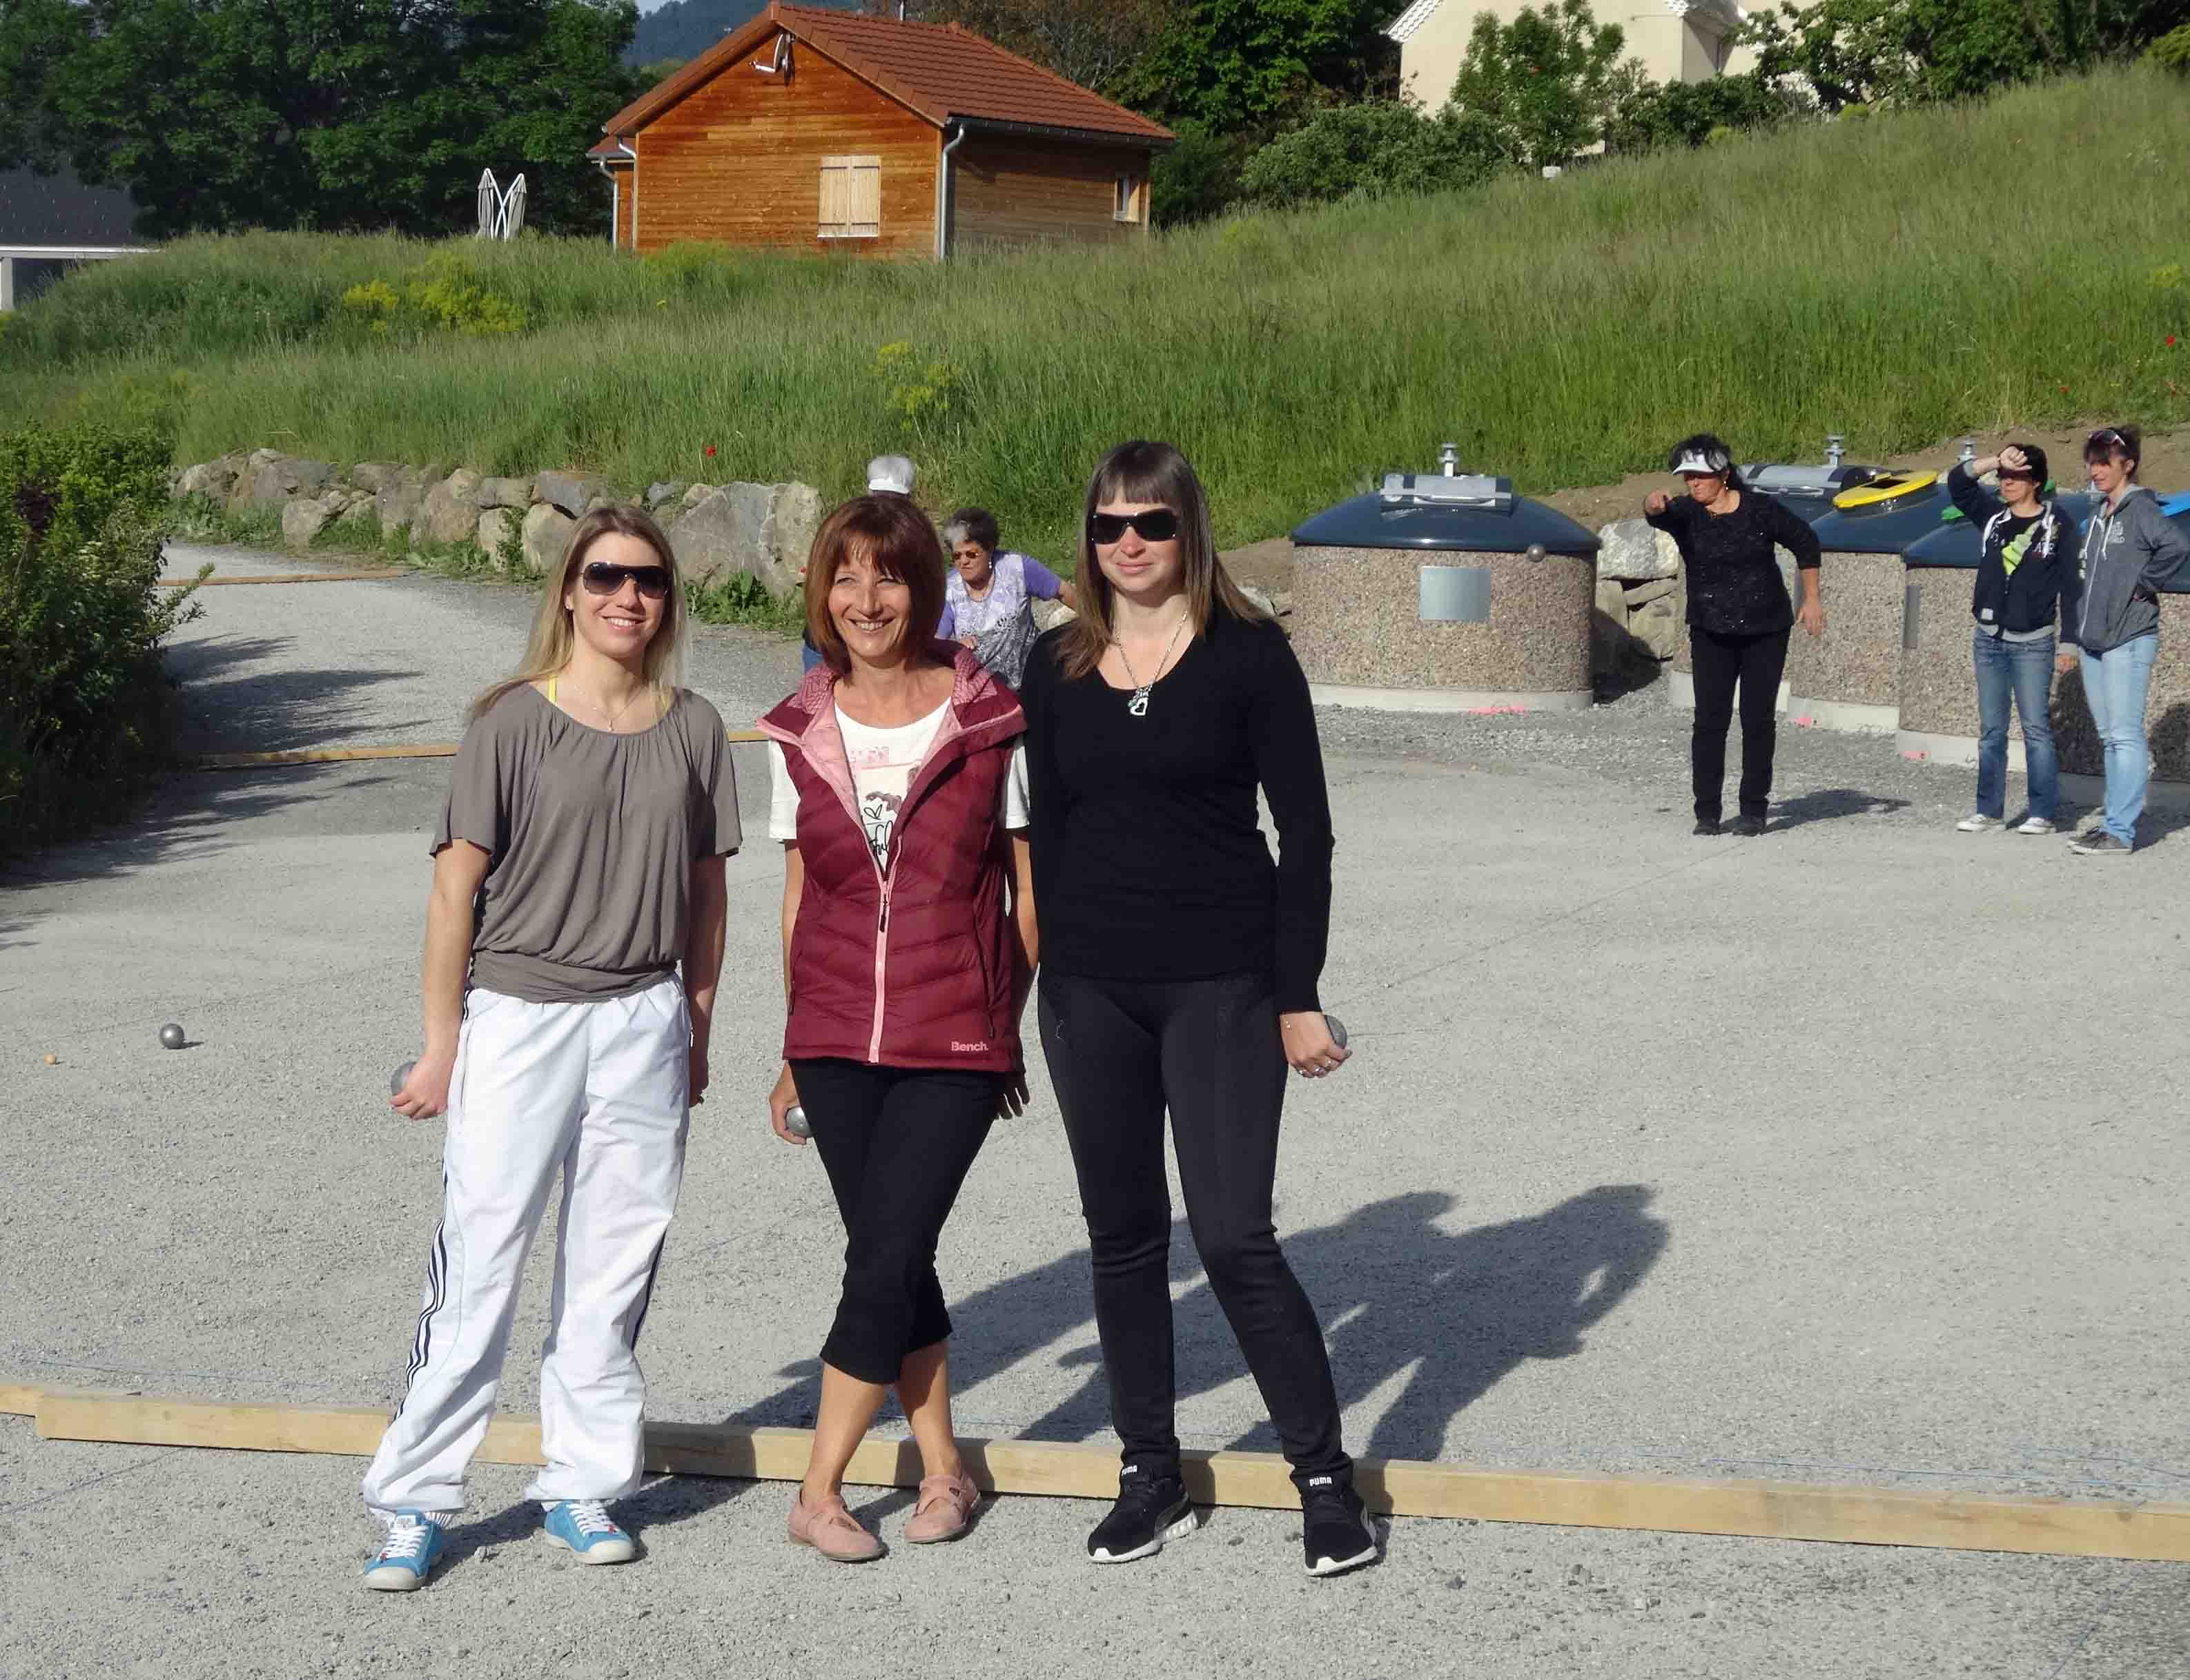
1137 707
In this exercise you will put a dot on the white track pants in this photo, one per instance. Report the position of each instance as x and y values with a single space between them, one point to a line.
596 1092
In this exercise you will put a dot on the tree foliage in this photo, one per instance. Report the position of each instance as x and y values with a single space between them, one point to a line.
1645 115
335 114
1236 65
1544 81
1914 52
1094 42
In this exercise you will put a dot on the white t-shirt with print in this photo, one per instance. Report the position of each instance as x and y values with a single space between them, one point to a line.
882 764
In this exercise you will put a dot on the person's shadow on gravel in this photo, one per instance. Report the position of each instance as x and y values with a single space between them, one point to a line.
1827 804
1396 1293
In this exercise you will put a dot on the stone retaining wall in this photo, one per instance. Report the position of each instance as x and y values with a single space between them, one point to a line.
522 524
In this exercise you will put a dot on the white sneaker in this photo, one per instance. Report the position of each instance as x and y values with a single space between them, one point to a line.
1976 823
2034 825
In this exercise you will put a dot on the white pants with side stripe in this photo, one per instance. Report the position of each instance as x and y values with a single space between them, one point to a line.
594 1092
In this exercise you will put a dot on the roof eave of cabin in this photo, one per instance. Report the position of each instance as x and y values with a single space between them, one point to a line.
1122 139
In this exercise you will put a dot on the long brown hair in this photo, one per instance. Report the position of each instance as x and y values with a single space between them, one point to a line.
553 636
1141 471
890 531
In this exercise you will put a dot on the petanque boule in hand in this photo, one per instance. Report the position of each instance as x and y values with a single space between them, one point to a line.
795 1122
397 1079
173 1036
1337 1029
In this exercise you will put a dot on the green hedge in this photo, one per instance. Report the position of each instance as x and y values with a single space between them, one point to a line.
81 696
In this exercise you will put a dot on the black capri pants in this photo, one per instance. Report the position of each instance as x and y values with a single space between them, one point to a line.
897 1144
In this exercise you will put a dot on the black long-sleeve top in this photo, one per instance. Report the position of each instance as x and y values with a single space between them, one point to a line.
1149 860
2020 599
1734 586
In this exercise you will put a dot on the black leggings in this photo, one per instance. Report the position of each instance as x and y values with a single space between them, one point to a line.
1120 1053
1757 663
897 1144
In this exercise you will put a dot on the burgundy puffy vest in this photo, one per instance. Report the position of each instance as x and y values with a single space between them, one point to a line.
911 965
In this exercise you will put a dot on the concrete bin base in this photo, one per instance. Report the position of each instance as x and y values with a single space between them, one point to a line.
1939 692
1357 628
1846 679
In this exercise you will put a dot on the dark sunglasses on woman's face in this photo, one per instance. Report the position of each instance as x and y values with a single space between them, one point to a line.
1156 525
602 577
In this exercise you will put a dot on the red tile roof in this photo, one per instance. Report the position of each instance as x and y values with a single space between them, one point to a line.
939 71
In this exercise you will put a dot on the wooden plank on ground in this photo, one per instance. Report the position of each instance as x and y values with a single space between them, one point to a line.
217 580
342 755
17 1400
1405 1488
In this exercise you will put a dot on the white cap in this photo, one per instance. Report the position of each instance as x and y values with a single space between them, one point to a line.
1695 461
890 472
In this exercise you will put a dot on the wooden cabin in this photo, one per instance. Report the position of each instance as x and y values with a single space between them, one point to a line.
824 130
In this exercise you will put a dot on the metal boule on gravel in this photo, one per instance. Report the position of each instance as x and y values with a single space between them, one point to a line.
795 1122
1336 1028
397 1079
173 1035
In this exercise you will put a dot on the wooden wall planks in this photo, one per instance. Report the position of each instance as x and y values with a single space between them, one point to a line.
738 160
1032 192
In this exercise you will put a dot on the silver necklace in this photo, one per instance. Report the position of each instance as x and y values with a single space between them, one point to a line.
1137 707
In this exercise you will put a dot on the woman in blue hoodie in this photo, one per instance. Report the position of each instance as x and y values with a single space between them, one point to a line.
2132 551
2026 577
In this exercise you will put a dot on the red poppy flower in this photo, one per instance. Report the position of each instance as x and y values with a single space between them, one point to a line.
2170 341
711 448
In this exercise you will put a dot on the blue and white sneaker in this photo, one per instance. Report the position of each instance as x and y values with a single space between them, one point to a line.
407 1554
584 1528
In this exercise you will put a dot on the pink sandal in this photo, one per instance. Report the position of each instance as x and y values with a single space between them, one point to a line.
832 1529
944 1509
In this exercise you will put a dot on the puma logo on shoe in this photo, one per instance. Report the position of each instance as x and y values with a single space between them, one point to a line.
1322 1481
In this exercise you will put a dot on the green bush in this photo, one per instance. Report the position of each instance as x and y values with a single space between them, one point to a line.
1196 179
82 618
1650 114
2172 51
1373 150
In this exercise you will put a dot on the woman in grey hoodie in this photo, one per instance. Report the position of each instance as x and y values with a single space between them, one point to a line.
2132 551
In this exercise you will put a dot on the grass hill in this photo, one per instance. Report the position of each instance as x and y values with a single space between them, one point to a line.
1901 279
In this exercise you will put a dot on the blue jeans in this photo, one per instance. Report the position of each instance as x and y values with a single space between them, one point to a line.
2115 684
2023 671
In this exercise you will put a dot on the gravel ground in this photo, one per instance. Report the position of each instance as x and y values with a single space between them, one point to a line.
1826 1157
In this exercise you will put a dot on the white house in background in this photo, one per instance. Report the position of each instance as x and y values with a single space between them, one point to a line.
1676 40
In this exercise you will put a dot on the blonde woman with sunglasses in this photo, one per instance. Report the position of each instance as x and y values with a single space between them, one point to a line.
573 936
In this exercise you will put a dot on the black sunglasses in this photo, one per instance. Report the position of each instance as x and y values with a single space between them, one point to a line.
602 577
1157 525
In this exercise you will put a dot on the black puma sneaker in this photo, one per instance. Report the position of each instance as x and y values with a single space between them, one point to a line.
1335 1533
1150 1510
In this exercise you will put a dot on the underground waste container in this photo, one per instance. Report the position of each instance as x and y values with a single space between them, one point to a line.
1806 490
1849 678
1444 592
1938 691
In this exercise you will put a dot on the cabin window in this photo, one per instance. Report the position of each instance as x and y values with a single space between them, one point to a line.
851 198
1128 204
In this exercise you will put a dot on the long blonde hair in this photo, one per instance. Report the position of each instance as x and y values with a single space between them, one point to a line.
554 637
1148 472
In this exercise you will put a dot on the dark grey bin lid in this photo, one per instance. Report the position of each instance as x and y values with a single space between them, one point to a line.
1959 544
1465 512
1885 527
1805 490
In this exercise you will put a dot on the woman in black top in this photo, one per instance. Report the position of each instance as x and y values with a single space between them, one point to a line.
1738 617
1179 969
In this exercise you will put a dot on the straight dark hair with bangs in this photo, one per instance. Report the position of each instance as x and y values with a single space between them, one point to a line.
2109 441
1156 473
890 531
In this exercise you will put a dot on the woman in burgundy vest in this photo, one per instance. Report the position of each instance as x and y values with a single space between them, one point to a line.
909 947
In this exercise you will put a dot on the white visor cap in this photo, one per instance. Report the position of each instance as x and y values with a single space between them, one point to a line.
1695 461
890 472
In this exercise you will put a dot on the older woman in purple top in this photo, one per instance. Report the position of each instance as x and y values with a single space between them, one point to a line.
988 596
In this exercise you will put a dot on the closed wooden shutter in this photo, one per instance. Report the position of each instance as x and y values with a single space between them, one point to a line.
851 198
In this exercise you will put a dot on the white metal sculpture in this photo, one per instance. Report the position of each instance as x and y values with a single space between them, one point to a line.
500 210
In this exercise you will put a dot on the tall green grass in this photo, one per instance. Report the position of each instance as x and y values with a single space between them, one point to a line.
1902 279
